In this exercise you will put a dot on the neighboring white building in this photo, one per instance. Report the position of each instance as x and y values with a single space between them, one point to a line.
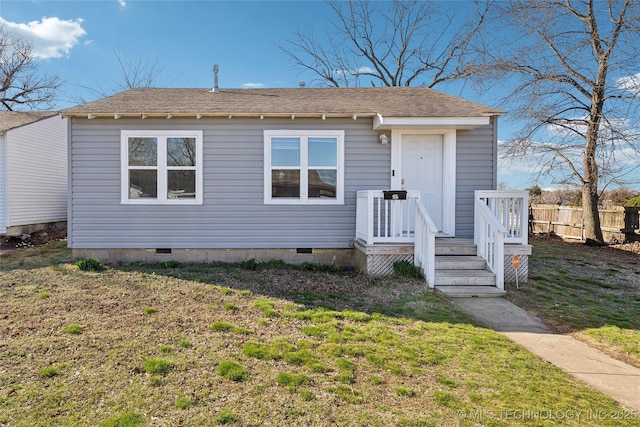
33 170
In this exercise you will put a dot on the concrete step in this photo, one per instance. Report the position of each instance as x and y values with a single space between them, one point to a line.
471 291
452 262
464 278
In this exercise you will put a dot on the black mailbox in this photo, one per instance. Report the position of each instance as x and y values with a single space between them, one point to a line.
395 195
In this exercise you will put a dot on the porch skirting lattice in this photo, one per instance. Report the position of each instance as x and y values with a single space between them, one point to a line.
378 260
510 272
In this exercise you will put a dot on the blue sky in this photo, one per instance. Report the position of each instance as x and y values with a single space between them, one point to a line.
78 40
185 38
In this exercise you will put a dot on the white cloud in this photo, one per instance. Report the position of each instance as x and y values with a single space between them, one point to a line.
629 83
357 71
253 85
50 37
122 3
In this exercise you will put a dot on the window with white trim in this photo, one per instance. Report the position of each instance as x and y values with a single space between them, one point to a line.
303 167
161 167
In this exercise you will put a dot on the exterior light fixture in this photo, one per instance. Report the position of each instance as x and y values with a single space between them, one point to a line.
384 139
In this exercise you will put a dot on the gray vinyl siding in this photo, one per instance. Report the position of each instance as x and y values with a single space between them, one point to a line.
233 213
476 169
36 172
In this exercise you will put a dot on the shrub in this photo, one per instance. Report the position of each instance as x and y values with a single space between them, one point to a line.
405 269
249 264
90 264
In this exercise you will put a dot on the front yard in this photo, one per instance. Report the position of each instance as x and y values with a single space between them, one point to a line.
592 293
264 344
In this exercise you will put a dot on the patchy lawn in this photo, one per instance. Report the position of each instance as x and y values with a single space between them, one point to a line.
591 292
259 344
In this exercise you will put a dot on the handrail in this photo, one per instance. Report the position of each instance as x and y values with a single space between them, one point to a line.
490 240
512 210
425 244
379 220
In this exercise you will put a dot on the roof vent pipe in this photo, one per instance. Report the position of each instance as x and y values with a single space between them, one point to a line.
215 78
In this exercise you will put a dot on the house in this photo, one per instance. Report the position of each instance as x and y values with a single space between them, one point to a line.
33 171
294 174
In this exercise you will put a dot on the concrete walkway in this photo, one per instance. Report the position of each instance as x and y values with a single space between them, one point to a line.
612 377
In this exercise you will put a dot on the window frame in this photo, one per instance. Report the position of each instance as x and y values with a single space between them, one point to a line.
304 167
161 167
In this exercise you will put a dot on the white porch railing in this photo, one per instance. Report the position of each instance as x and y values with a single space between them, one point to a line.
490 240
424 250
385 221
511 208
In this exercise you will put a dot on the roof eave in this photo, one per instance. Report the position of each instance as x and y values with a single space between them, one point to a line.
199 115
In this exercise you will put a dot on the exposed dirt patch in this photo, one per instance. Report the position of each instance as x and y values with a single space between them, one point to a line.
37 238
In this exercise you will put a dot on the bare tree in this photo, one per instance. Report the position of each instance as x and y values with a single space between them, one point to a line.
22 84
570 67
134 73
402 43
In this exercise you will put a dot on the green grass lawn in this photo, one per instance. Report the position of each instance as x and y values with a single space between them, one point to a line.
260 344
591 292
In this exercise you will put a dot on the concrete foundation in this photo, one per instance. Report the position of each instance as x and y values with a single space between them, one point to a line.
340 257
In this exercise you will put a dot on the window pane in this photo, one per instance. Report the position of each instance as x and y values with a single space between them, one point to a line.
143 183
181 184
323 152
285 152
322 183
181 151
285 183
143 151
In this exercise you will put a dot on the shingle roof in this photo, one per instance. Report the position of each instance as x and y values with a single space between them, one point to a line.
14 119
386 101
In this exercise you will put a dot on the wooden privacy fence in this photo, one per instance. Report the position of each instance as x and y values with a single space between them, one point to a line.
567 222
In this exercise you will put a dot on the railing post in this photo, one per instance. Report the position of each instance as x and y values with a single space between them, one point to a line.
499 261
369 214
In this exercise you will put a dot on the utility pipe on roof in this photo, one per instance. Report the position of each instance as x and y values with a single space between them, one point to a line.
215 78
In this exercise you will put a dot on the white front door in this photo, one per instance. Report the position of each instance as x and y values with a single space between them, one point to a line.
422 169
